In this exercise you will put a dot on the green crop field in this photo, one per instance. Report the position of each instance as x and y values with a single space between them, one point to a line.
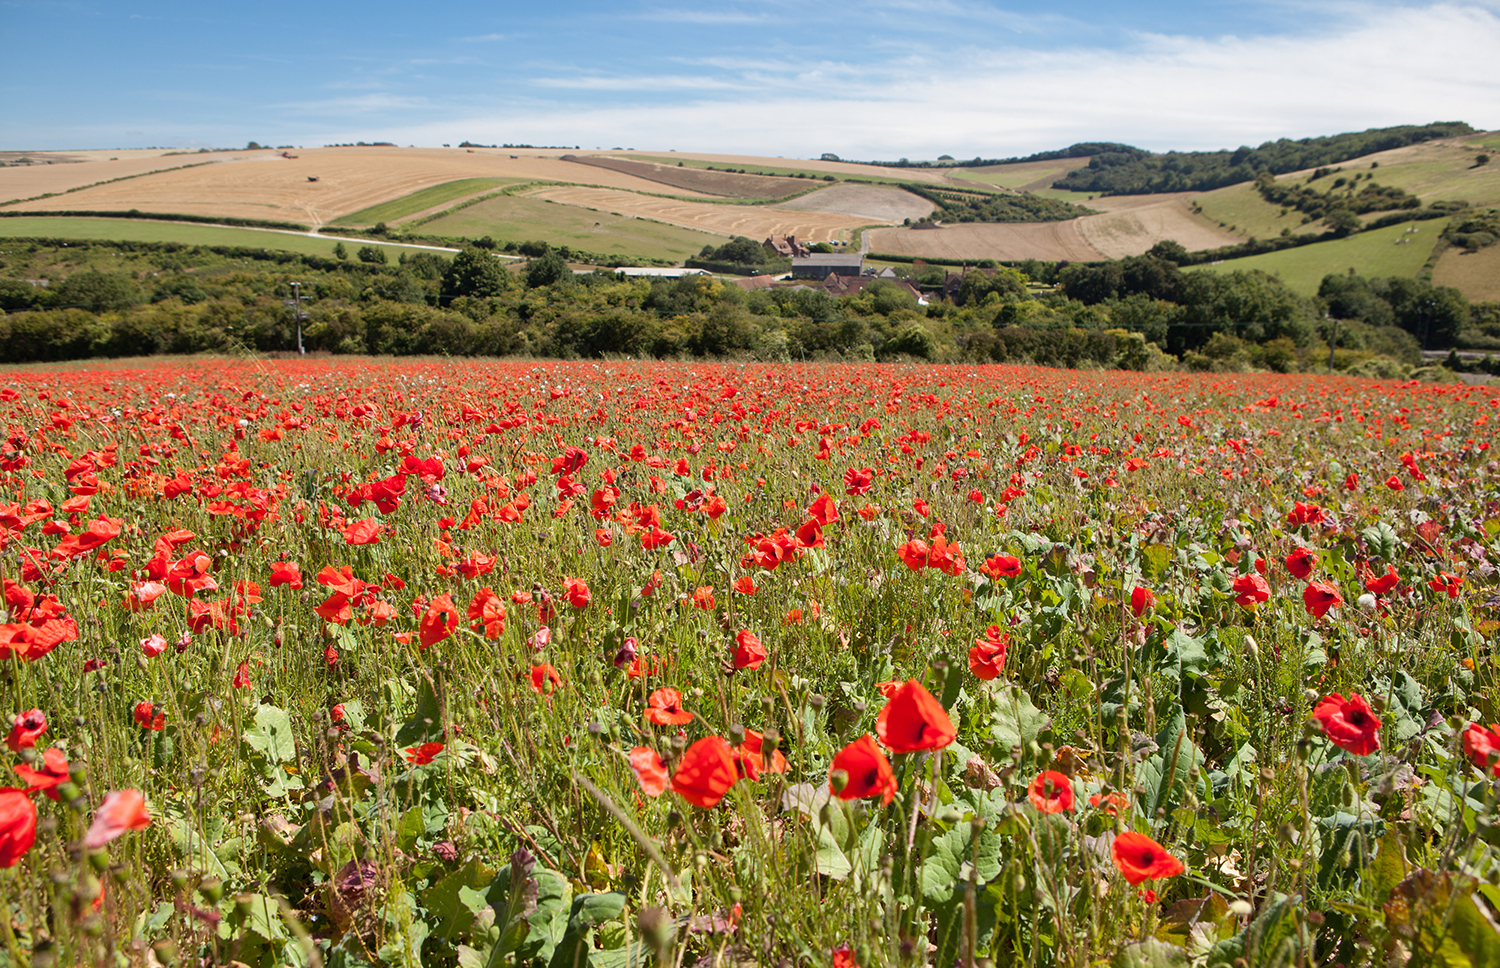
398 208
1375 253
139 230
507 218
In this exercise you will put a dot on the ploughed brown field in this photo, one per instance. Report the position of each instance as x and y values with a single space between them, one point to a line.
722 183
755 221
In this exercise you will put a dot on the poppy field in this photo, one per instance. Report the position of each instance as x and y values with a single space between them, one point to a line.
460 663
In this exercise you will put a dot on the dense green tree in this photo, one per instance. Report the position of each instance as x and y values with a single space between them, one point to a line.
97 291
475 272
548 270
371 255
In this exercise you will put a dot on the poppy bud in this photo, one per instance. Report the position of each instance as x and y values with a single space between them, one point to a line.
212 888
837 780
736 734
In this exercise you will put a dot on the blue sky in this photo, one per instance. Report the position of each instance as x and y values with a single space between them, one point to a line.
872 79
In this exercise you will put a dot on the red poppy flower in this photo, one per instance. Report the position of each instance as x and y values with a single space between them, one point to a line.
25 729
242 676
748 652
52 773
664 708
1445 582
1320 596
913 720
705 773
364 532
486 613
1001 566
1300 563
121 810
1139 858
544 679
17 825
1349 723
1482 747
1112 803
867 770
745 585
576 590
438 622
857 482
1301 514
1051 792
913 554
424 754
987 657
750 761
650 771
1142 600
1394 483
843 957
286 573
703 598
1383 583
147 717
1250 590
823 510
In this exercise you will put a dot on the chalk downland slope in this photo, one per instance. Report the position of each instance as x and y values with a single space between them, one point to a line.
872 203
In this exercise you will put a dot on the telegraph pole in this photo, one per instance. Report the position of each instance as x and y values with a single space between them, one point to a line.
297 314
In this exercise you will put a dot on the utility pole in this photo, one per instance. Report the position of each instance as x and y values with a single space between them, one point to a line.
297 314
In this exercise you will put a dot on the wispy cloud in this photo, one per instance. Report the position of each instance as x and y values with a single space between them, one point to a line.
480 39
626 83
709 18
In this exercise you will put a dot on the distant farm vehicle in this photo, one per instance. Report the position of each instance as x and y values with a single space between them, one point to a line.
312 177
287 154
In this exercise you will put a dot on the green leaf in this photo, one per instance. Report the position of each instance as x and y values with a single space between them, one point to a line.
1151 954
271 735
454 900
589 911
1015 721
1382 541
426 722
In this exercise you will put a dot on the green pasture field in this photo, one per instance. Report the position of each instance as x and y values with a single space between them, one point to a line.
398 208
139 230
508 218
1374 253
1241 208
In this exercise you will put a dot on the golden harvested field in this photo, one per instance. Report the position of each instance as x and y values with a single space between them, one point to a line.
1475 274
755 221
266 186
869 202
1131 224
74 169
720 183
1051 241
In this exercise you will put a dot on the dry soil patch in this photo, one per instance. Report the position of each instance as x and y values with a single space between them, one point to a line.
754 221
869 202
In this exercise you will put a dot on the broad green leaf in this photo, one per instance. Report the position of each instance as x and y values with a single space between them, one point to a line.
1015 721
271 735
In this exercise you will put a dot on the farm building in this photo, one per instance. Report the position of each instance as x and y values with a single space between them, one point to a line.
787 247
820 266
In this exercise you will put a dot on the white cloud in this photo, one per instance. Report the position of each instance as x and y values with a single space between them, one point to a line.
1386 66
661 83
